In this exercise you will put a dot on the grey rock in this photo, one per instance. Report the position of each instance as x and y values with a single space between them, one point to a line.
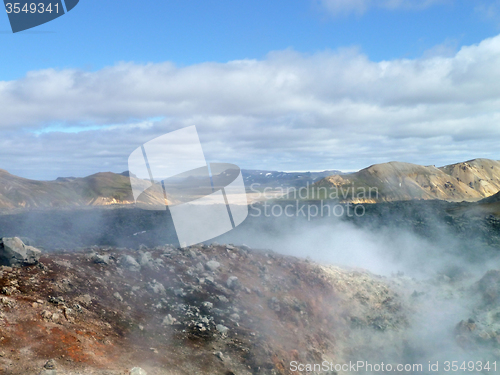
14 253
100 259
212 265
222 329
130 263
146 259
208 305
220 355
118 296
159 262
200 267
169 320
223 298
274 304
233 283
156 287
56 300
221 289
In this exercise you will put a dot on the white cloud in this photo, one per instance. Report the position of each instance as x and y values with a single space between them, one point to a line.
289 111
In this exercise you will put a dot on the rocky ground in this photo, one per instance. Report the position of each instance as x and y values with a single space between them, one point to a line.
215 309
223 309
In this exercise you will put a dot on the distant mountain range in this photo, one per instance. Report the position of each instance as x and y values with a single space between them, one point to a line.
470 181
275 179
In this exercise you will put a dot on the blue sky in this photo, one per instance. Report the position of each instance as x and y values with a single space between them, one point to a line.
58 82
100 33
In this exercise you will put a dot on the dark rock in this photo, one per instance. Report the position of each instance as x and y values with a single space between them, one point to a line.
466 326
100 259
50 365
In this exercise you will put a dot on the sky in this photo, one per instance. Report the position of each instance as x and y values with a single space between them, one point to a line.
278 85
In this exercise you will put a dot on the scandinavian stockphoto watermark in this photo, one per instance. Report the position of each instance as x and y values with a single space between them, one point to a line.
171 170
311 201
26 14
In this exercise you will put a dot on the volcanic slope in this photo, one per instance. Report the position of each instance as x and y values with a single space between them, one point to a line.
394 181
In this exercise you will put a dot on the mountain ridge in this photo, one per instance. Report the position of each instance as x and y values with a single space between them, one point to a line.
470 181
99 189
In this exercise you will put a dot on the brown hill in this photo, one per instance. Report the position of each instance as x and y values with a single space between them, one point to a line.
394 181
100 189
482 175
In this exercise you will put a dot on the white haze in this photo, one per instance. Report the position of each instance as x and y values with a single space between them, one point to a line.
384 251
390 251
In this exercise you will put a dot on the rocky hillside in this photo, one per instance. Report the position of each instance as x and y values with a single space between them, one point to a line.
395 181
482 175
100 189
222 309
204 310
493 199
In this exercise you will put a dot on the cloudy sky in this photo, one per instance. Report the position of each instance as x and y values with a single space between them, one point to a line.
281 85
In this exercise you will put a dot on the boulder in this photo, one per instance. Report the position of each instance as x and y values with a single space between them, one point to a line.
130 263
222 329
156 287
233 283
212 265
169 320
14 253
100 259
146 260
